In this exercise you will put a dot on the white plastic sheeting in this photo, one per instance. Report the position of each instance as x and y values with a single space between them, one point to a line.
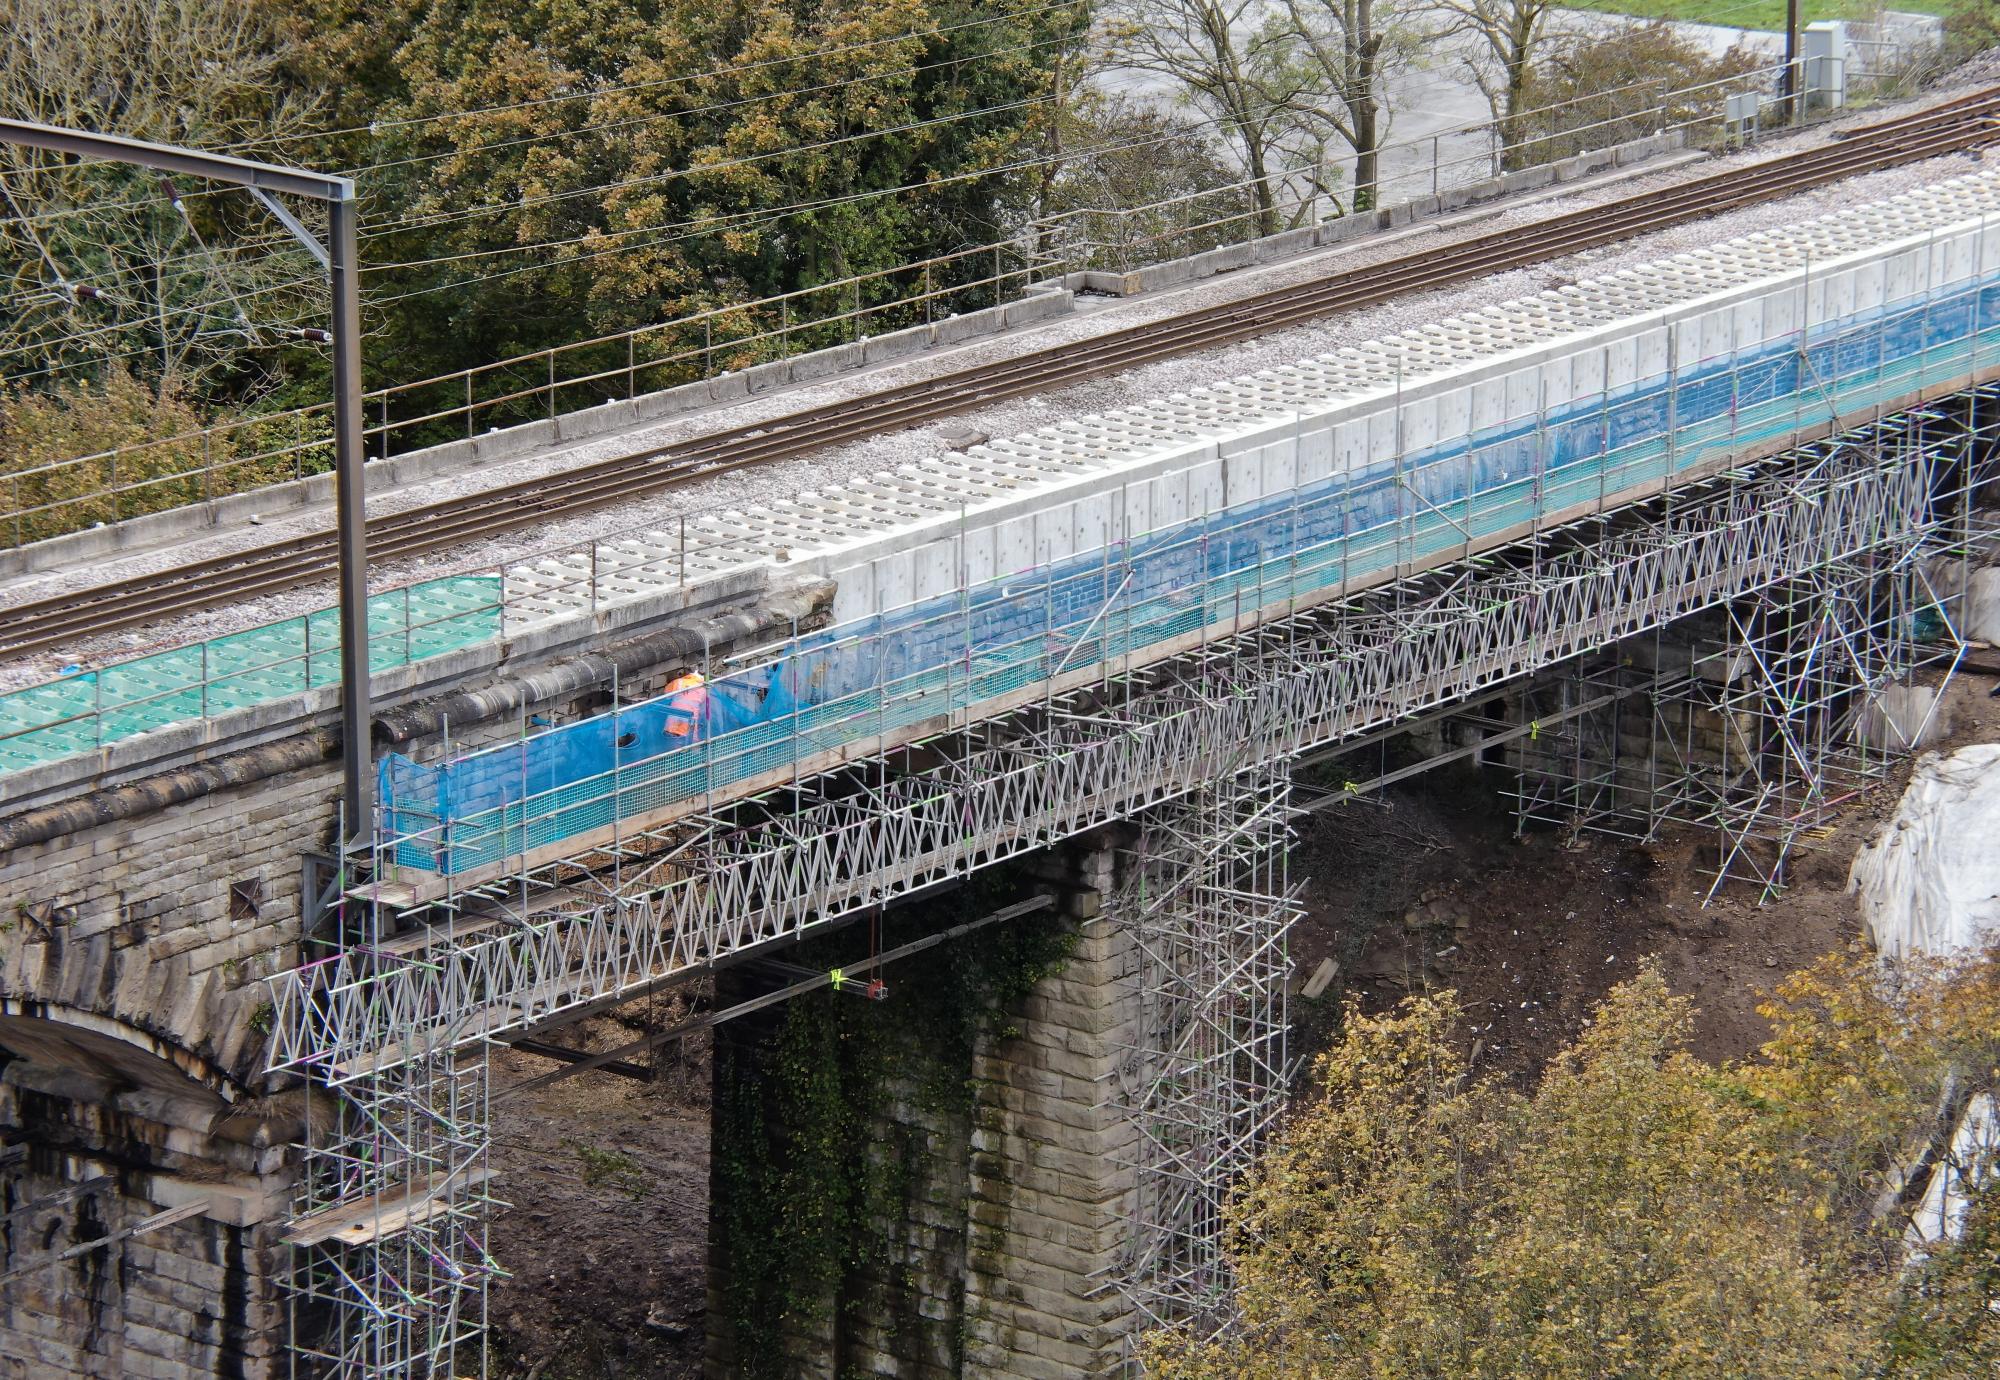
1930 882
1975 1146
1982 615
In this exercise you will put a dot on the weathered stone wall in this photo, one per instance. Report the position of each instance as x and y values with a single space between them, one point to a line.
138 919
108 1134
1052 1179
135 920
995 1255
133 1038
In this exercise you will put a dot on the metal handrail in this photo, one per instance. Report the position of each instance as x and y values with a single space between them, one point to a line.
1032 257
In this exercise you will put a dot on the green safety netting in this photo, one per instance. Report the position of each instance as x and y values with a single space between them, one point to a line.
83 711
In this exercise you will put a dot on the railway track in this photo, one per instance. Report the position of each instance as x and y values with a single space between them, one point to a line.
1969 122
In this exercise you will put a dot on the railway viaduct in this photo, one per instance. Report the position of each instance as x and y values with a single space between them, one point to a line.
245 1089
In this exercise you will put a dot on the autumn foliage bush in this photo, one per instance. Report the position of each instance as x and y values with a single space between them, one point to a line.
84 453
1641 1213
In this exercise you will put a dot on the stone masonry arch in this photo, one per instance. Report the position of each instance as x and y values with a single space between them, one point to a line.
109 1126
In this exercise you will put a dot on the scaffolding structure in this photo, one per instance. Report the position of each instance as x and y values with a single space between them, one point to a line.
1193 735
1761 719
1206 898
390 1268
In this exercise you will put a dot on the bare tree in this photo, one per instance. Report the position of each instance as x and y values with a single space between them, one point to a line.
1506 37
1227 68
102 261
1342 54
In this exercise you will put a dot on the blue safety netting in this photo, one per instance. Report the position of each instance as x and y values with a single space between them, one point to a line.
977 647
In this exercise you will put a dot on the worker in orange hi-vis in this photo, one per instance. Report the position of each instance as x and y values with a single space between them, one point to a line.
687 706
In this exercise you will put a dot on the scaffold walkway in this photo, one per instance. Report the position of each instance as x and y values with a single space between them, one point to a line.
1283 659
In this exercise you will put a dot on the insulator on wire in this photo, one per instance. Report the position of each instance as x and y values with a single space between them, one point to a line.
316 335
83 292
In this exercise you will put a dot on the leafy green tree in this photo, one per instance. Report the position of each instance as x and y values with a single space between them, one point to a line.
554 170
1142 183
1234 71
1607 87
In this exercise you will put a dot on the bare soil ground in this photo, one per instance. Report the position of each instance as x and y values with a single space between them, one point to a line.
1429 888
606 1239
609 1177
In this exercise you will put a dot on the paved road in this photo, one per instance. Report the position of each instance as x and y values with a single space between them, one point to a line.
1437 136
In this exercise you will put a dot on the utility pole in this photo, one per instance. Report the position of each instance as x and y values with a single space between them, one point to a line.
264 180
1790 84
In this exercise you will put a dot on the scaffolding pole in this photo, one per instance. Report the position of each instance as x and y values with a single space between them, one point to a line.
1207 901
1771 712
1195 740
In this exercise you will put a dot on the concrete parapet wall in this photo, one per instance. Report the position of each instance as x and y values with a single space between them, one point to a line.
1042 302
1289 243
501 445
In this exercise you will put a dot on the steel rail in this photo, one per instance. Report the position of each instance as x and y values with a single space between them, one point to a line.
1966 123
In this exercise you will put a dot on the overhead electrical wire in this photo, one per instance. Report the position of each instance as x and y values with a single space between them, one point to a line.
695 170
682 230
364 170
736 220
714 107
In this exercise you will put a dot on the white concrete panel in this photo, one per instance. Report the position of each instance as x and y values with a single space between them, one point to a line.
978 546
937 569
1169 501
1243 478
1206 493
1937 265
1868 285
1315 461
1014 548
1746 325
1652 346
1781 314
1381 436
1587 373
1558 385
853 595
1713 337
894 581
1454 413
1322 417
1905 277
1420 425
1281 466
1489 403
1622 362
1052 539
1350 444
1095 521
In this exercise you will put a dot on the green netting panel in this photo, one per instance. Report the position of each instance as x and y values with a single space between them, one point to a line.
85 711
